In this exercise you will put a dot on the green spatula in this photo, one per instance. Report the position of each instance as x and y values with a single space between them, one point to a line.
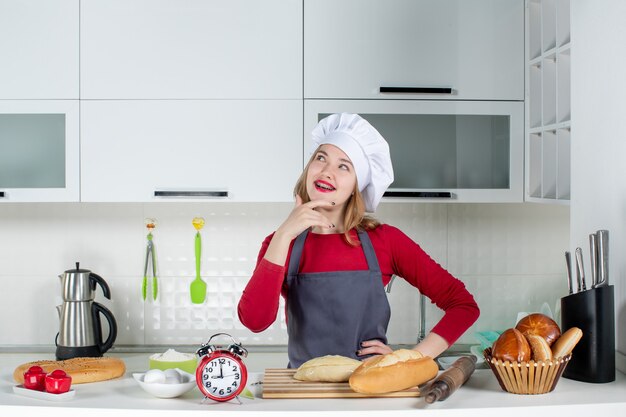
198 286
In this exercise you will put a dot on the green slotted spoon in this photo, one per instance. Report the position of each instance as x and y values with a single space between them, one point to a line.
198 286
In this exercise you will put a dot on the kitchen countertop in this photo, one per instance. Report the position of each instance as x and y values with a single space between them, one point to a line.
480 396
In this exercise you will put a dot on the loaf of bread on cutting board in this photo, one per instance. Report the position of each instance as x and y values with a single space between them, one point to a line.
396 371
82 370
329 368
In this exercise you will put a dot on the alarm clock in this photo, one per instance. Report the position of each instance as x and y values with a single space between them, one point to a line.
221 374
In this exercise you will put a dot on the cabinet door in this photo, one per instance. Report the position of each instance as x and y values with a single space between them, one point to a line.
39 49
442 151
215 49
39 150
352 48
132 149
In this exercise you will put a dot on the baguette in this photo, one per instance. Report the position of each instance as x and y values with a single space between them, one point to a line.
82 370
566 343
392 372
329 368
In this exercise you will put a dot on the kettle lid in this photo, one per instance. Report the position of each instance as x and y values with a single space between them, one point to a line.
77 270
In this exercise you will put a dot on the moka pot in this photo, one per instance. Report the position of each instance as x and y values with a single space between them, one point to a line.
80 329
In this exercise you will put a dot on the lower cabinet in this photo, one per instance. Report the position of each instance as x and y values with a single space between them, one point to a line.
164 150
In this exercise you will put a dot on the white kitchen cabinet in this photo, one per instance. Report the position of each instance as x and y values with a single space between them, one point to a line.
223 150
442 150
192 49
548 102
475 48
39 150
39 49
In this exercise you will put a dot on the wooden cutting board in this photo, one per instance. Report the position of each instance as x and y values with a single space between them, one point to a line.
279 383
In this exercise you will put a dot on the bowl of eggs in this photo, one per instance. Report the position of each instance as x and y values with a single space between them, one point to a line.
169 383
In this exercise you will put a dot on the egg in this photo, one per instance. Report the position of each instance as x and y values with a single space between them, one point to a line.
154 376
172 376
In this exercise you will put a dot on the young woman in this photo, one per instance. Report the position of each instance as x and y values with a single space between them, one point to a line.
331 262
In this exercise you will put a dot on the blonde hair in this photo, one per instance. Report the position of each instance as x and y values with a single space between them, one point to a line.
354 214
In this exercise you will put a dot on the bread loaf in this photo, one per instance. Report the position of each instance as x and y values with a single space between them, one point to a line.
81 370
541 325
539 347
329 368
395 371
566 343
511 346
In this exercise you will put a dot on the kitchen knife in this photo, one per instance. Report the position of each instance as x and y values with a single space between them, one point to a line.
593 258
580 270
568 265
602 236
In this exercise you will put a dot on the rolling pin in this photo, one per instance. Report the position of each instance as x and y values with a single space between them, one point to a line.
451 379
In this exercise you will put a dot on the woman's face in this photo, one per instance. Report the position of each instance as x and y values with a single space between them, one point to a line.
331 176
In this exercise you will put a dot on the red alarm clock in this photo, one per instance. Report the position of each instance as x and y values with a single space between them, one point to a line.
221 374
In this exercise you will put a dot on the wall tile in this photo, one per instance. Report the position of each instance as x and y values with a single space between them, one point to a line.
509 255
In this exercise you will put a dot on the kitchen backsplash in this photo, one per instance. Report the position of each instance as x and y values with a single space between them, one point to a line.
510 256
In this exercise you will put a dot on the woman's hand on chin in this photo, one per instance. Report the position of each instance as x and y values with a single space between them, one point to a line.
304 216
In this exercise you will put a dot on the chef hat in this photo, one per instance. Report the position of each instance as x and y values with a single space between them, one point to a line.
366 148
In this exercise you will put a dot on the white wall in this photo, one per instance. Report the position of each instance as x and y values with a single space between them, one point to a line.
510 256
599 137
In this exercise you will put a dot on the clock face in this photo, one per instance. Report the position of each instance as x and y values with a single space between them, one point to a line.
221 376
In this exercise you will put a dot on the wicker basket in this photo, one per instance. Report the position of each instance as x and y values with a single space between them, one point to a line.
527 377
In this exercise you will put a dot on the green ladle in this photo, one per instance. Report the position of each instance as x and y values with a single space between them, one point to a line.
198 286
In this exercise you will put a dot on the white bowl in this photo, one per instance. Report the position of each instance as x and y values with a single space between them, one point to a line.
164 390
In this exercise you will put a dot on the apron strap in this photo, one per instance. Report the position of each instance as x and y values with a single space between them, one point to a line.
368 249
296 253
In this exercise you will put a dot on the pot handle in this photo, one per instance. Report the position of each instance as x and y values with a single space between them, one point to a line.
96 309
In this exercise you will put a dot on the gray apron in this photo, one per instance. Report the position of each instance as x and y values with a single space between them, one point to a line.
331 313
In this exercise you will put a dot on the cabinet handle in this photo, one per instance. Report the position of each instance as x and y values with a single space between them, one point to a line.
186 194
418 90
418 194
1 194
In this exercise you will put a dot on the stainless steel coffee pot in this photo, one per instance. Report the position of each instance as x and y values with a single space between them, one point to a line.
80 328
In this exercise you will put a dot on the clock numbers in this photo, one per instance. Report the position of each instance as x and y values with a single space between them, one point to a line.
221 377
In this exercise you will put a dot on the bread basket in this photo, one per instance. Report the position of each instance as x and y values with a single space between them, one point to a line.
529 377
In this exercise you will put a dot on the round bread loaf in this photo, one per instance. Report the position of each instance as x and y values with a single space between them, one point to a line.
396 371
566 343
329 368
81 370
511 346
541 325
539 347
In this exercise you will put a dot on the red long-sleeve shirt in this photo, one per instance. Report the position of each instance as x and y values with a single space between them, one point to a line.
396 253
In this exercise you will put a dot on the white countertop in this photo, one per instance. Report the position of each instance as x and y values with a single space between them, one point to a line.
481 396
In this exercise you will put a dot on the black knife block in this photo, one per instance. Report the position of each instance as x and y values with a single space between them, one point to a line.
592 311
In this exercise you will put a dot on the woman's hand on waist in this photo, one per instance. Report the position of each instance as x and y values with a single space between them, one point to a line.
373 347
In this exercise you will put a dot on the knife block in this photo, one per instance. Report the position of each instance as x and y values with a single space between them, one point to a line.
593 312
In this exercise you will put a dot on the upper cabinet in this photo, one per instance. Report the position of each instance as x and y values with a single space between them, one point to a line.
192 49
39 49
39 150
548 104
185 150
430 49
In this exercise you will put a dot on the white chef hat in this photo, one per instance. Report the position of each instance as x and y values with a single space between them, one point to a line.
366 148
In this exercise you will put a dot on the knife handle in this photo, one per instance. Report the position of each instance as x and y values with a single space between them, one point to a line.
568 265
593 258
580 270
603 257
